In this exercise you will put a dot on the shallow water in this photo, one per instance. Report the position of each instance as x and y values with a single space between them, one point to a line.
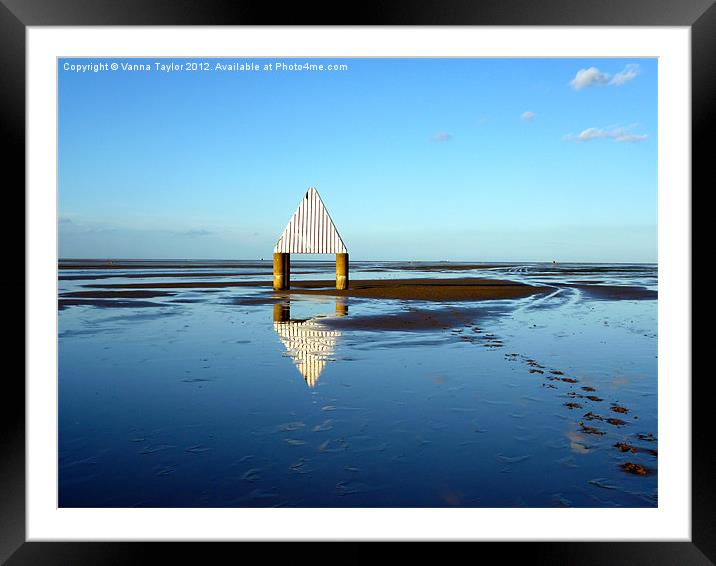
201 397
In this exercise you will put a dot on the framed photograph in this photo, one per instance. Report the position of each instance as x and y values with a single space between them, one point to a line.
424 275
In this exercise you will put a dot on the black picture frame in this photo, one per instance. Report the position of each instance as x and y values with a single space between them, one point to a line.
16 15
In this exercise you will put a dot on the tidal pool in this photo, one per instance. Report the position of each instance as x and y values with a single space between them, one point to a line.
237 397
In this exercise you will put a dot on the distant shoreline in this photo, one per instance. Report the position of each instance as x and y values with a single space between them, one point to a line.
68 263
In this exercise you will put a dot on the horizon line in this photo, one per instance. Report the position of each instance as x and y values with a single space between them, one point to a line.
356 260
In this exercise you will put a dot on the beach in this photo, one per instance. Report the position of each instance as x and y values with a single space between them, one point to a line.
422 384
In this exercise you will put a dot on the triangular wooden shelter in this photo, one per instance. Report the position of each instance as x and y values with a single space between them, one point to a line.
310 231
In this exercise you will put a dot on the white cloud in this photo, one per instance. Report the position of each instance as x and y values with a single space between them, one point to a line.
588 77
631 137
442 137
528 116
593 76
619 134
622 77
591 134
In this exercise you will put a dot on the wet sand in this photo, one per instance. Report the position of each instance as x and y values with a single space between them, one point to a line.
62 304
418 289
438 267
152 275
462 289
135 294
614 292
157 264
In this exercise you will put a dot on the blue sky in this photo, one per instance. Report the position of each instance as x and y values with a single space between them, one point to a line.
435 159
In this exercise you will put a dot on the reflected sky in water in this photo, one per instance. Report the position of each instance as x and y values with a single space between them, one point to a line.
236 397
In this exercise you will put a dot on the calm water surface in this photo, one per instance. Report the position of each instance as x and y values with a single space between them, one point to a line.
223 397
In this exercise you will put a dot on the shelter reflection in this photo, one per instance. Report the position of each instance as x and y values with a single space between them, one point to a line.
308 342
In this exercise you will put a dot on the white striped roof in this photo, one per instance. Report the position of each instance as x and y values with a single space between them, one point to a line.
309 345
310 230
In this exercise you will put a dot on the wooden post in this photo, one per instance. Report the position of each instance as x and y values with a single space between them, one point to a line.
341 271
287 270
280 277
